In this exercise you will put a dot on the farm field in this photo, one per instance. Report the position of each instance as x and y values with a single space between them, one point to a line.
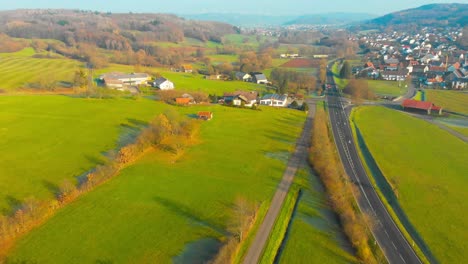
301 63
427 166
159 205
387 87
314 235
449 100
191 82
20 68
46 139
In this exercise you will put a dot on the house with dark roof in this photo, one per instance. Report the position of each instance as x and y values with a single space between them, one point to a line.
259 78
238 98
242 76
163 84
274 100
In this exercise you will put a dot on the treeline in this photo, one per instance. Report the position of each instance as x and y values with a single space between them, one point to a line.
339 190
129 36
288 81
33 212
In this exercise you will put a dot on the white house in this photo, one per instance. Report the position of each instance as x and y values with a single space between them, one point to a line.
274 100
163 84
236 98
242 76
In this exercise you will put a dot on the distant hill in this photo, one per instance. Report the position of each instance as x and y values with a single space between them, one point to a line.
243 20
427 15
330 19
247 20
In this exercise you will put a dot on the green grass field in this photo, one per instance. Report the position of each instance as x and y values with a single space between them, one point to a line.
386 87
427 166
46 139
314 236
20 68
157 206
191 82
340 83
450 100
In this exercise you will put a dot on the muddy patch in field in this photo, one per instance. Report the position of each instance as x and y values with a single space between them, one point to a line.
198 252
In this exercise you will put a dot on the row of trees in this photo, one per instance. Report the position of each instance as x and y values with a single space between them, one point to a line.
340 192
33 212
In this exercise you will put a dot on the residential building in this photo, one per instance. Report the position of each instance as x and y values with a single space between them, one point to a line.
163 84
274 100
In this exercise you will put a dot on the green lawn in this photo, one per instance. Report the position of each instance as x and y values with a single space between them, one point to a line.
19 68
340 83
191 82
314 236
155 207
46 139
450 100
387 87
220 58
428 167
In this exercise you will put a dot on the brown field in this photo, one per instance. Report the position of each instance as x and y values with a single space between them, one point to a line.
301 63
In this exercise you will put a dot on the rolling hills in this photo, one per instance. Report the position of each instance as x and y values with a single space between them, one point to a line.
446 15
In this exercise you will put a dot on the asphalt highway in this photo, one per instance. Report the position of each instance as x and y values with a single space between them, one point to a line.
390 239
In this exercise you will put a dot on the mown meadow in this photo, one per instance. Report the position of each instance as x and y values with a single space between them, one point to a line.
426 167
19 69
162 203
389 88
314 235
450 100
47 139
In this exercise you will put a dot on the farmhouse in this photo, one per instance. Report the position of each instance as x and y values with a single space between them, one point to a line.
163 84
187 68
421 105
237 98
119 80
205 115
259 78
242 76
274 100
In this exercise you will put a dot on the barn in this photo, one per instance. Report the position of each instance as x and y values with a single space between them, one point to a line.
421 105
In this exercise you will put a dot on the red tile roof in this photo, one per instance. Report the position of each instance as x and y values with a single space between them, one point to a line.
409 103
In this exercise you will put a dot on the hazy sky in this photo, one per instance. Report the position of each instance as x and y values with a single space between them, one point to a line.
270 7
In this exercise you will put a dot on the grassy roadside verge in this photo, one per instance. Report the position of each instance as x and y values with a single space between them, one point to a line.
384 200
323 157
281 226
340 83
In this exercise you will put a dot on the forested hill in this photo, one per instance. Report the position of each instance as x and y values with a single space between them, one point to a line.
107 30
447 15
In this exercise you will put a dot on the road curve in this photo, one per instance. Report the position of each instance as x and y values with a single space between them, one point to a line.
392 242
297 159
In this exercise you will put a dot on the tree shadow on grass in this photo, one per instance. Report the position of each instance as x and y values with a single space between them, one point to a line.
51 187
12 205
191 215
390 196
129 131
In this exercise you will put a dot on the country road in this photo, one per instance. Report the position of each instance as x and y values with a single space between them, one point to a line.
299 156
392 242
